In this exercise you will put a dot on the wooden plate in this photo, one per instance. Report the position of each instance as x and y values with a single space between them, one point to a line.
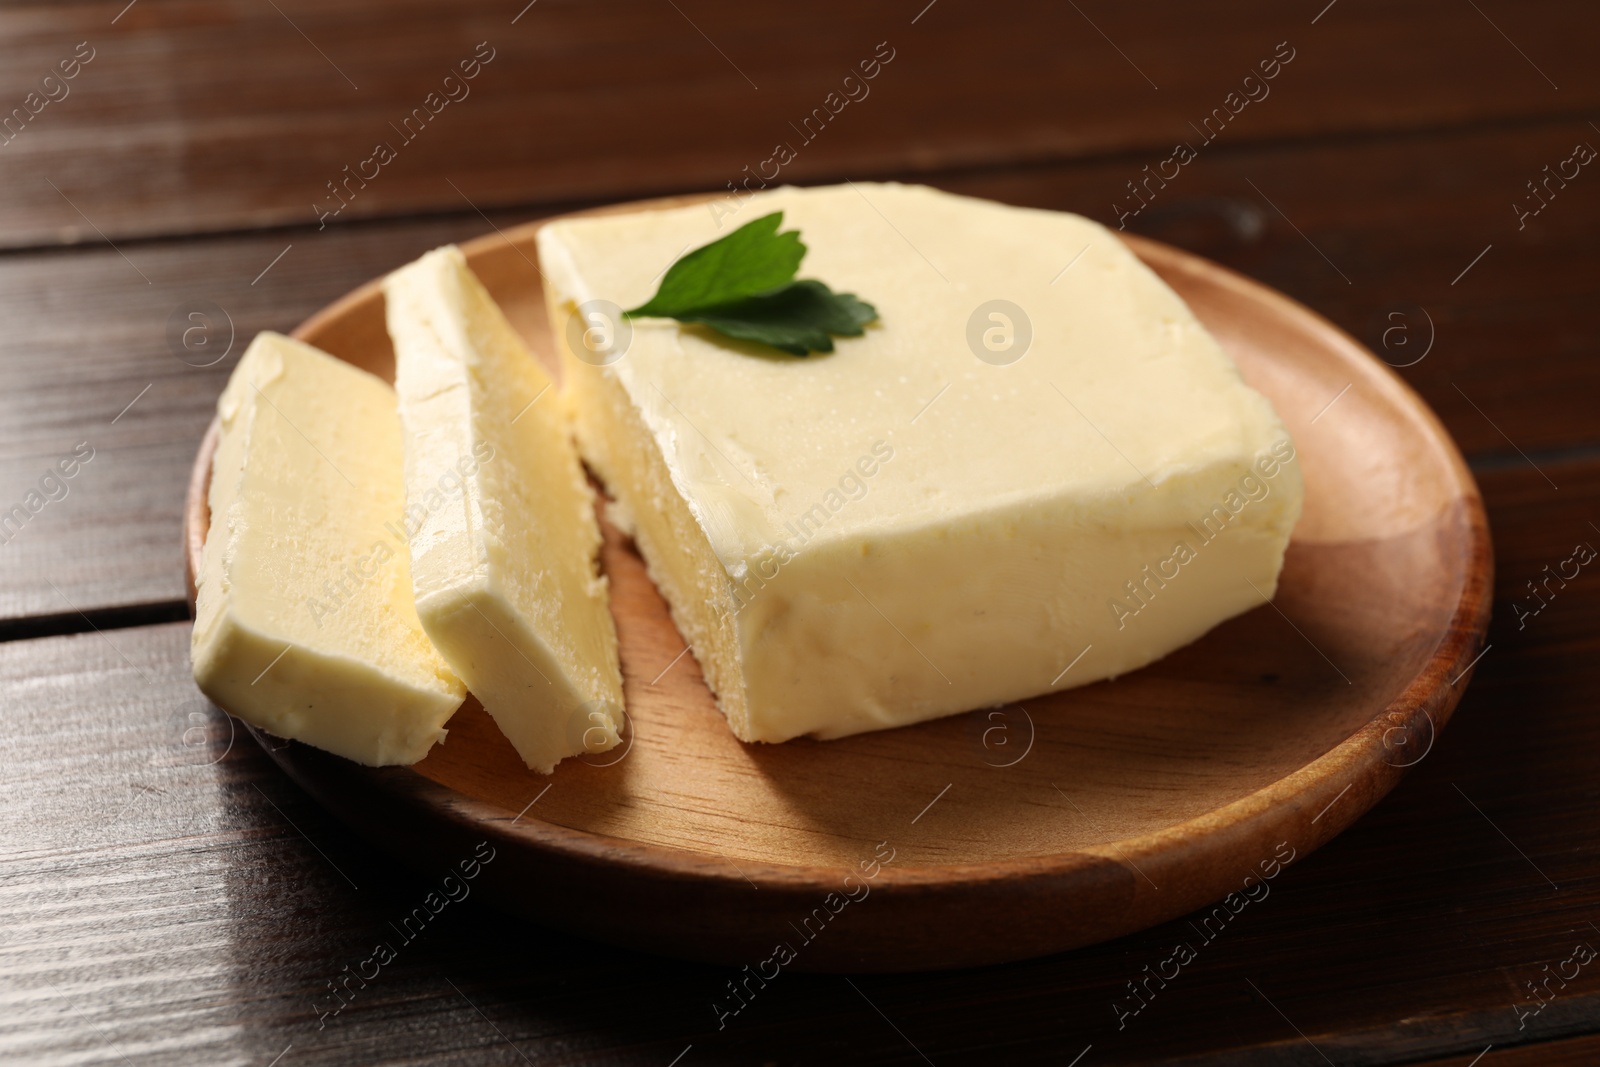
995 835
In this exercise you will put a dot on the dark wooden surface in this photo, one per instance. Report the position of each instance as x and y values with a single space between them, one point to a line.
168 898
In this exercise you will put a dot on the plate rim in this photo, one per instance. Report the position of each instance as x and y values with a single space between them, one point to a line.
1432 694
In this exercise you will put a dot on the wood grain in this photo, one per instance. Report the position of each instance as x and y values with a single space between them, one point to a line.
204 117
1578 1050
196 923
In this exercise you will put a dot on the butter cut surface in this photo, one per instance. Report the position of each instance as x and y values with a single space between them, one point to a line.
305 624
974 503
501 519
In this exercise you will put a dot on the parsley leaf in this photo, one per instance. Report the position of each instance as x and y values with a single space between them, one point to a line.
742 286
796 318
750 260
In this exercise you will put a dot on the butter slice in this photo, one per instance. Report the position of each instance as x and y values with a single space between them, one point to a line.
305 624
921 523
504 536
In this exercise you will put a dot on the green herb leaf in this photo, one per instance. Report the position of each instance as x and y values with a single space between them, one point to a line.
742 286
796 318
752 259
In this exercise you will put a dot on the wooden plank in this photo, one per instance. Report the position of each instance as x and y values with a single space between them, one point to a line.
1579 1050
171 899
1511 367
201 117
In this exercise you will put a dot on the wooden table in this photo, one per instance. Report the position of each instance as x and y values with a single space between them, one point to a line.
169 897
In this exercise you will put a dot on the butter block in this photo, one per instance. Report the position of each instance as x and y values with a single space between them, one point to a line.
305 624
1035 471
501 519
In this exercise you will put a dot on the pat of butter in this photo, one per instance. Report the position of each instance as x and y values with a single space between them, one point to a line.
1035 471
304 623
503 533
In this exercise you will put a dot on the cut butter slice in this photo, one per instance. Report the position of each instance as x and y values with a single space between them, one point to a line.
1036 470
501 519
305 624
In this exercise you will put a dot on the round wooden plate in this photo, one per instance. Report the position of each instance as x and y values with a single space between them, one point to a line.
995 835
